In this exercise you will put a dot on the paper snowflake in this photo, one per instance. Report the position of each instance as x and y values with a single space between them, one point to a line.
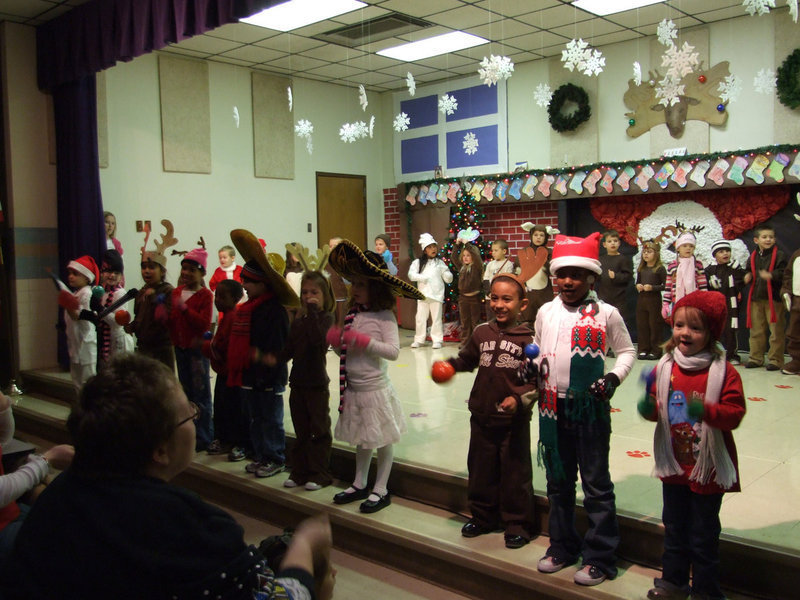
595 61
792 4
495 68
637 73
289 95
350 132
362 97
679 61
362 129
765 81
669 91
730 88
304 128
470 143
542 95
412 85
666 32
575 55
758 6
448 104
401 122
371 125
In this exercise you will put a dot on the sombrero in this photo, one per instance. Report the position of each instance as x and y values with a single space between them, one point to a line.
349 261
251 250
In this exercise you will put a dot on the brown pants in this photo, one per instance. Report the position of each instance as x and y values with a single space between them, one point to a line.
759 316
469 308
311 418
649 323
793 334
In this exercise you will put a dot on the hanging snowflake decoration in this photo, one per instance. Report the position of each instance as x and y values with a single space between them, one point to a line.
470 143
448 104
495 68
730 88
669 91
304 129
595 61
792 4
350 132
401 122
289 94
362 97
362 129
412 85
765 81
758 6
371 125
666 32
575 55
679 61
542 95
637 73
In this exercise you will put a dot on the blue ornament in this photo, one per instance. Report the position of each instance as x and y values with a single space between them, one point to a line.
720 108
532 350
208 335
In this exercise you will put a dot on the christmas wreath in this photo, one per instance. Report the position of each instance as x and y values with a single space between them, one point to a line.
789 80
568 122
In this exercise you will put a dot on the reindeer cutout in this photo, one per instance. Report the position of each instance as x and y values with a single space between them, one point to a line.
318 262
698 102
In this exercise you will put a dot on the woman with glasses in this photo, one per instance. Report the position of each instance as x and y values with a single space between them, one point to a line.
113 526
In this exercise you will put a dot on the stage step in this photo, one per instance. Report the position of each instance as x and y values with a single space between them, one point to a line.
420 532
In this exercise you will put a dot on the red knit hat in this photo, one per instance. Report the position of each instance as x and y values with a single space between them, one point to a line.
86 266
198 256
711 304
576 252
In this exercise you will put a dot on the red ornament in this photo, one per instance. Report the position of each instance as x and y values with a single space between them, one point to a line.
442 371
701 79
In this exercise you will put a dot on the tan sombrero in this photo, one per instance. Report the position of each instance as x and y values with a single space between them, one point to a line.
349 261
250 248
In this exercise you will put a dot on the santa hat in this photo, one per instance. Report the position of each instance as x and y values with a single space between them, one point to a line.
426 239
576 252
86 266
711 304
198 256
687 237
720 245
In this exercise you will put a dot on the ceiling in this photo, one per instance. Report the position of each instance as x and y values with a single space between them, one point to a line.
523 30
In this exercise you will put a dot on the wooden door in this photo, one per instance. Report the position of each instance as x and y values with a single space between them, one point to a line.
342 208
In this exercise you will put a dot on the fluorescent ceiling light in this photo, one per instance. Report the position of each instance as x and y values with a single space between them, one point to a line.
298 13
609 7
433 46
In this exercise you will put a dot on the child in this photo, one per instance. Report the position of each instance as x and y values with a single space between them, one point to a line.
231 428
81 334
431 275
696 400
467 259
764 308
260 328
500 489
293 272
111 336
227 269
685 274
617 273
189 320
339 286
382 243
574 332
727 278
112 243
498 264
535 269
651 277
790 292
370 414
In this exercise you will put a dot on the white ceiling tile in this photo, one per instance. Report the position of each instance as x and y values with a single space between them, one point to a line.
335 71
554 17
445 61
500 30
371 62
204 43
230 61
424 34
512 8
461 18
332 52
253 54
241 32
420 8
586 29
533 42
297 62
401 70
288 42
362 14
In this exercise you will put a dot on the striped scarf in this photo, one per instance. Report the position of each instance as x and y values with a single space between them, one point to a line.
103 328
348 324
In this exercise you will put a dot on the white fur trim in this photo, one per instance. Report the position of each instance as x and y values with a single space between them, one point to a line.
76 266
576 261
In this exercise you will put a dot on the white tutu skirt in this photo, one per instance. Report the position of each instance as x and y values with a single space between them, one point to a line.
371 419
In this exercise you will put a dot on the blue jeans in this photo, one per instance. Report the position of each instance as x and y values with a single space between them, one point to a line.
193 373
584 446
265 413
9 533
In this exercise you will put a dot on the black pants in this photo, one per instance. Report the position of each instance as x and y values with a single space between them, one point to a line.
230 418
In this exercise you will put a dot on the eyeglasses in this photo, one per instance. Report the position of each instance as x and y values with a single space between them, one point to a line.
196 412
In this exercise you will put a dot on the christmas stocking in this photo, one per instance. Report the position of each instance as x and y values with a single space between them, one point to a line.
452 192
561 185
530 186
488 190
662 177
643 178
794 170
624 179
422 198
576 185
501 190
475 190
718 170
544 186
699 174
756 170
441 195
679 176
608 180
591 181
432 193
737 170
776 168
411 196
516 188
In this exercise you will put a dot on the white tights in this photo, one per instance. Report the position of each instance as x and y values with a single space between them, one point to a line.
385 458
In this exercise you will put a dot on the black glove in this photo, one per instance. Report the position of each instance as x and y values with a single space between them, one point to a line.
604 388
527 372
87 315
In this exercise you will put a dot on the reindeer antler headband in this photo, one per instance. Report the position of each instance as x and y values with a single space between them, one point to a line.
318 262
168 240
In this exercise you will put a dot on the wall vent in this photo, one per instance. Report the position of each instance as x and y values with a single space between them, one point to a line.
374 30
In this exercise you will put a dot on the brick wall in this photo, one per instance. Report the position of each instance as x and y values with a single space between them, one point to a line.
503 220
391 219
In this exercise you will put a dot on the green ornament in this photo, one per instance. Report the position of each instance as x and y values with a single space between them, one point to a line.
631 122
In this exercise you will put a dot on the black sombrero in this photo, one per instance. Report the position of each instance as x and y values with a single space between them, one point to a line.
251 250
349 261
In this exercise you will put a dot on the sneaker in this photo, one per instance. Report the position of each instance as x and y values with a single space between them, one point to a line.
791 368
771 367
236 454
665 591
269 469
589 575
313 486
252 467
550 564
437 345
416 345
642 355
217 447
289 483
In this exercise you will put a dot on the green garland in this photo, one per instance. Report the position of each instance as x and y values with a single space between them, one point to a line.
569 93
789 80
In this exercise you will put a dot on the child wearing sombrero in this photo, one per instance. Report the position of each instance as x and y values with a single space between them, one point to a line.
370 414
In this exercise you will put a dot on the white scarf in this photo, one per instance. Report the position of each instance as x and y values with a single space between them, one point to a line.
229 270
713 456
686 282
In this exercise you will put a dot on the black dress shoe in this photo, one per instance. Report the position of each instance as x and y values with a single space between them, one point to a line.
771 367
515 541
347 497
472 529
371 506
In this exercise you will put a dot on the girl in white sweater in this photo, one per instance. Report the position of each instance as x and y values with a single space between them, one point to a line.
431 275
